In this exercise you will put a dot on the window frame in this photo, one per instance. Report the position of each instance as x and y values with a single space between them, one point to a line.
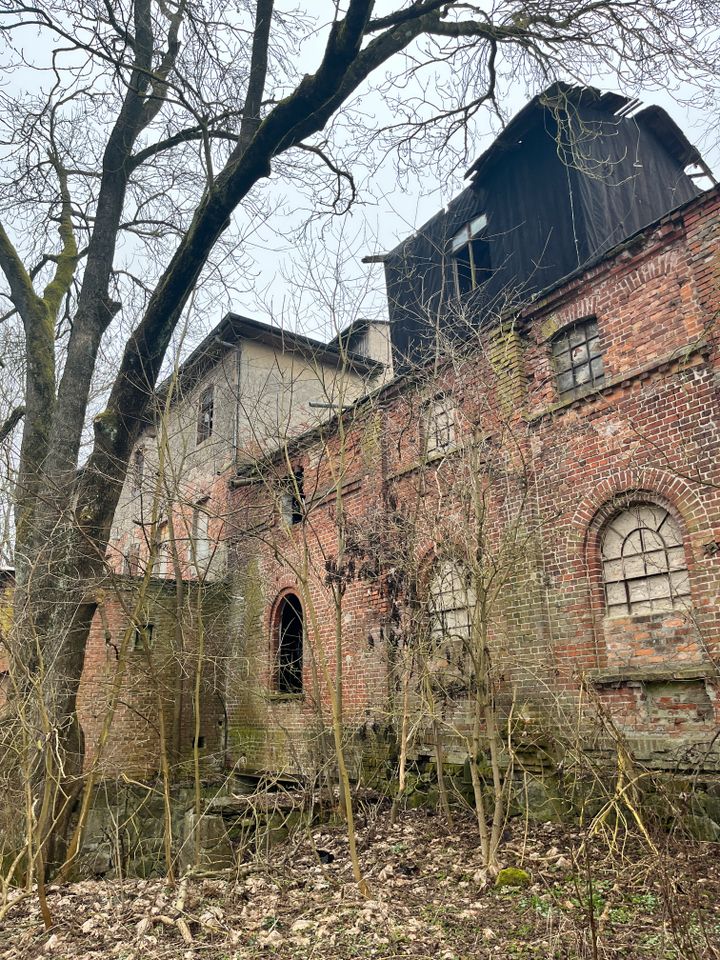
201 514
206 414
163 565
131 559
470 238
143 637
292 503
450 569
642 575
288 673
561 346
440 415
138 470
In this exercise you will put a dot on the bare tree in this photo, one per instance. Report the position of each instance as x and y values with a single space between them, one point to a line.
148 126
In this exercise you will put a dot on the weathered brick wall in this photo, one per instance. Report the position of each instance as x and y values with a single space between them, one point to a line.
541 476
520 496
292 732
151 691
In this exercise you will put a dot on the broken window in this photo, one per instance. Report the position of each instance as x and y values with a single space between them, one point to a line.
470 253
643 561
206 412
577 358
450 604
289 646
143 636
439 425
138 469
292 498
201 534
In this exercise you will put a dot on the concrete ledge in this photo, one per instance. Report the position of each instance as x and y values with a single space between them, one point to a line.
652 673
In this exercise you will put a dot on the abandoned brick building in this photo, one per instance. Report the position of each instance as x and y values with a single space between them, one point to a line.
542 474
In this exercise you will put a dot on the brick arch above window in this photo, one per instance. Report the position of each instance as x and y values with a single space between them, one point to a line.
657 485
287 637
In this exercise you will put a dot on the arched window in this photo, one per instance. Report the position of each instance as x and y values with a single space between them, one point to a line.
450 603
289 645
643 561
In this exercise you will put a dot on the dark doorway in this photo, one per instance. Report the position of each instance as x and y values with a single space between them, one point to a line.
290 646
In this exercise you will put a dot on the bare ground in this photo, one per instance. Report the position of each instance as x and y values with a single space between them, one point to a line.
429 898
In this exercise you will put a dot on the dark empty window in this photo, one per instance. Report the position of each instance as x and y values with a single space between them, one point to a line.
143 637
470 252
643 559
290 629
205 414
292 498
138 469
577 357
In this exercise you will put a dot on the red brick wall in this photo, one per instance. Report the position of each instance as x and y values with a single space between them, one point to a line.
549 473
145 687
523 497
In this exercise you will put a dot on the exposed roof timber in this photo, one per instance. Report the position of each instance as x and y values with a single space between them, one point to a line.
613 104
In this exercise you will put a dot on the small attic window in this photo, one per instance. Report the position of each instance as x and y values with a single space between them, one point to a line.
470 253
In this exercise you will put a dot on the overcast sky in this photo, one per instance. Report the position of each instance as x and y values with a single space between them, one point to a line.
388 210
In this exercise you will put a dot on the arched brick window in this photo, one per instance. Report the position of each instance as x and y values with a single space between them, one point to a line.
643 561
451 603
289 634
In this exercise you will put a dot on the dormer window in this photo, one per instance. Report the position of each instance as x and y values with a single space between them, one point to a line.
578 358
470 253
206 410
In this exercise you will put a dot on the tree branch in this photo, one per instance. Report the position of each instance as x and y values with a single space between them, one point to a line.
12 421
21 288
67 259
258 73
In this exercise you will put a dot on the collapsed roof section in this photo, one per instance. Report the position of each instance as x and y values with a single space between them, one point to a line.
572 175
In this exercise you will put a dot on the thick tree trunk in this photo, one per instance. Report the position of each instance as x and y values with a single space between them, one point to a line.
53 611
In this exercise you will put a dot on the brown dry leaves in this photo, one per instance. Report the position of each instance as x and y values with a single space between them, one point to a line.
429 897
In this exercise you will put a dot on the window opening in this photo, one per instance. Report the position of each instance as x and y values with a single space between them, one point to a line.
470 252
163 558
131 559
643 561
143 637
138 470
289 672
201 534
451 603
292 499
439 424
206 412
577 357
